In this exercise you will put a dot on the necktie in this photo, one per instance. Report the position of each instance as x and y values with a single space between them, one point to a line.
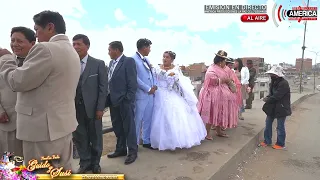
144 60
20 63
113 62
82 68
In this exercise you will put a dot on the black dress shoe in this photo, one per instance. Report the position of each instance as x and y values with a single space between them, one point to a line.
84 169
116 154
130 159
148 146
96 169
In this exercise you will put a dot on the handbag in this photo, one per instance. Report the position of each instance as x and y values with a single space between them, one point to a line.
232 87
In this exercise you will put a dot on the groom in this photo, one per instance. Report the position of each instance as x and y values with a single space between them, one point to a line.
145 92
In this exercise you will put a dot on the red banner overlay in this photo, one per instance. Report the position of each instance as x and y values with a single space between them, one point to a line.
254 18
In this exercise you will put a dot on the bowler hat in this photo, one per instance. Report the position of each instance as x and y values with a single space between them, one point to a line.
223 54
230 60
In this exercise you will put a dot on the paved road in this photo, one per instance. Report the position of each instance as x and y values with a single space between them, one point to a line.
309 87
301 159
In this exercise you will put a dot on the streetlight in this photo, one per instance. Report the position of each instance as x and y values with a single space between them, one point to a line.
315 68
303 48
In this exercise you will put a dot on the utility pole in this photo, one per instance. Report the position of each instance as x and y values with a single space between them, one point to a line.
303 48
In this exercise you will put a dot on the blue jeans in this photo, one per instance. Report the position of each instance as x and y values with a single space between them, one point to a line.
281 131
241 109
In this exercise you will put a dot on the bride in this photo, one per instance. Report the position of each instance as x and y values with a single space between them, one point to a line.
176 122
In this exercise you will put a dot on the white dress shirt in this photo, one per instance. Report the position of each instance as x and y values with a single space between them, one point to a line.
140 55
145 64
84 63
245 75
114 65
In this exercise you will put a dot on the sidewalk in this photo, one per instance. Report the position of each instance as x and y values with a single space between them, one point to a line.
106 121
211 160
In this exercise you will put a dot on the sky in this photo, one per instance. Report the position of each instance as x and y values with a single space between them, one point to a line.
176 25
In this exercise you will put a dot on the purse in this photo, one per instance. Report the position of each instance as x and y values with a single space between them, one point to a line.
232 87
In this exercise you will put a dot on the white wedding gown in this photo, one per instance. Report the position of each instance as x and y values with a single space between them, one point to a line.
176 122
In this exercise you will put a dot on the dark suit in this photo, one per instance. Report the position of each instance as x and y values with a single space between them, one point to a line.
90 97
252 79
121 99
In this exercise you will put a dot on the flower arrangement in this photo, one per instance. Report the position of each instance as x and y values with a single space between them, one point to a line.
9 171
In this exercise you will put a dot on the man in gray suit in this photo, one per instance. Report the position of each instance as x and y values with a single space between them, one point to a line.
46 86
122 78
90 103
22 40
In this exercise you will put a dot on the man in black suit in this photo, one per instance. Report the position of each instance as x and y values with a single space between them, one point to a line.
90 100
122 78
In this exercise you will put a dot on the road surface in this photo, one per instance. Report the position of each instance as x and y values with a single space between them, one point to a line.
300 160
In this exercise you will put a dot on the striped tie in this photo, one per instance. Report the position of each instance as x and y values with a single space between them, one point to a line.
82 68
113 62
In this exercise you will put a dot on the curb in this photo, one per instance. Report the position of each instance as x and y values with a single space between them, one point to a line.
246 151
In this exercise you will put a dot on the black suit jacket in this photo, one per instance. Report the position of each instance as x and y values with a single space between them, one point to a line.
252 78
123 84
94 86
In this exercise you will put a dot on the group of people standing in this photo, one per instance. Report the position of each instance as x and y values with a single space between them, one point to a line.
53 96
226 85
166 112
155 104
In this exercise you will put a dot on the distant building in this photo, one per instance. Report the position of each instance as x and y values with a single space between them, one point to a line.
258 63
184 72
286 65
183 68
194 71
307 64
290 71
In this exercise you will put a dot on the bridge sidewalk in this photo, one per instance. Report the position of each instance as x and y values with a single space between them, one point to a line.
211 160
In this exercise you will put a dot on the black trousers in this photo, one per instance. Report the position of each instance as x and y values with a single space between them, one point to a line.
88 138
122 118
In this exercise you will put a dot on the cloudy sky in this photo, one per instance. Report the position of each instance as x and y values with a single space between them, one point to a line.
177 25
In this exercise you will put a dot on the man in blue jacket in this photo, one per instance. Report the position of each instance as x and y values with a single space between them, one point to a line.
145 92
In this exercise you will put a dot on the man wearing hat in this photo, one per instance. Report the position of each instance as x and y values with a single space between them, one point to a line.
230 62
252 79
277 105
